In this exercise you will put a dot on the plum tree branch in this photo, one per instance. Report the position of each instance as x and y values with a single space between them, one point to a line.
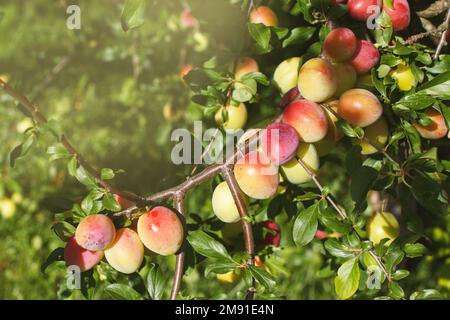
41 119
178 201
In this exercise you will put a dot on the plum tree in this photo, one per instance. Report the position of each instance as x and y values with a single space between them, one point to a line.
377 135
161 231
264 15
317 73
340 44
286 74
404 76
256 175
382 225
293 170
399 12
236 117
346 77
361 9
223 204
366 57
126 253
308 119
78 256
326 145
436 129
95 232
245 66
360 107
280 142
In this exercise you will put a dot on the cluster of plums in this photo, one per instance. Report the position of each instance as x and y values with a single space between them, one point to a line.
159 230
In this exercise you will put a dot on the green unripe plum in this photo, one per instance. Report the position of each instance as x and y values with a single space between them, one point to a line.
377 134
286 74
223 204
256 175
294 171
7 208
236 117
317 80
382 225
74 255
126 253
161 231
95 232
360 107
346 77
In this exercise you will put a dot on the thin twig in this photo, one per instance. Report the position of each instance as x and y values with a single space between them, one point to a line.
442 41
178 200
41 119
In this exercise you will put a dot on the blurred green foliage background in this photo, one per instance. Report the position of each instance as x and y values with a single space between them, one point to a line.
117 96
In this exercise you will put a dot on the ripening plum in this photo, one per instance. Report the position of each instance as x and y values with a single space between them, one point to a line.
294 171
124 203
161 231
76 255
126 253
317 80
340 44
256 175
236 117
382 225
360 107
245 66
399 12
279 141
227 278
346 77
185 70
361 9
272 234
290 97
95 232
223 204
308 119
327 144
366 57
404 76
264 15
436 129
377 134
286 74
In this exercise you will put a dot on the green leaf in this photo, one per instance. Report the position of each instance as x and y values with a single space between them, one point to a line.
64 230
305 225
85 178
347 280
155 282
54 256
414 250
362 181
262 276
118 291
395 291
337 11
220 266
299 36
207 246
258 77
337 249
438 86
426 294
107 174
400 274
262 35
110 203
393 257
133 14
